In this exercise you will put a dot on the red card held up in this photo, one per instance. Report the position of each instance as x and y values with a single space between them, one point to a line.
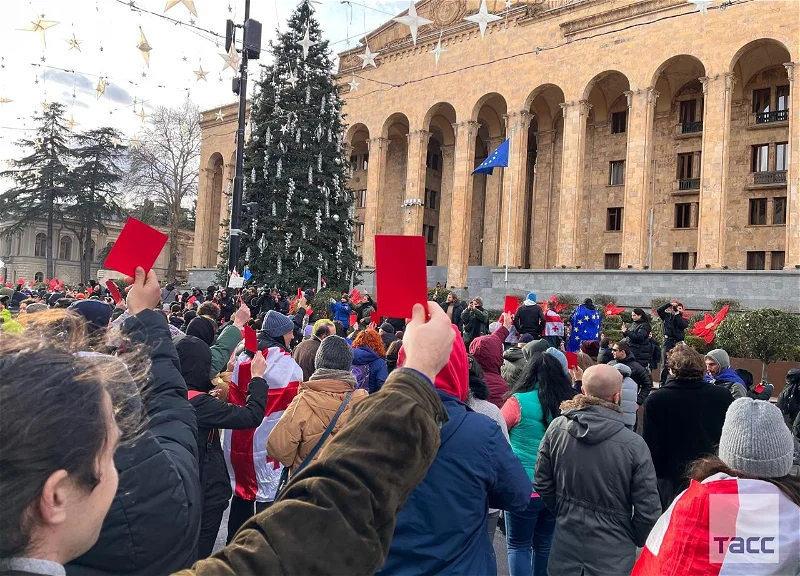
572 359
114 291
250 339
353 319
299 293
511 304
401 275
374 317
138 245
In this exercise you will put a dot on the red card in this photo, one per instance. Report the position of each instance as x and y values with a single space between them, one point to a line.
138 245
572 359
114 291
374 317
511 304
353 319
401 276
309 311
250 339
299 293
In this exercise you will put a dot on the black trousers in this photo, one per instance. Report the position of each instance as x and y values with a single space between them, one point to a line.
209 528
241 511
669 344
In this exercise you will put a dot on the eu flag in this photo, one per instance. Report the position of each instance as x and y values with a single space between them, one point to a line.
498 158
585 326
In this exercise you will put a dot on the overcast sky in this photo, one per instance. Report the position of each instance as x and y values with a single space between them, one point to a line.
108 32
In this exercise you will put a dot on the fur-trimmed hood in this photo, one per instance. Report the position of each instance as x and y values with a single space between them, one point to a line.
591 419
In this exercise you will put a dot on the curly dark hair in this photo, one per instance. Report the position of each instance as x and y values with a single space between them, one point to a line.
686 363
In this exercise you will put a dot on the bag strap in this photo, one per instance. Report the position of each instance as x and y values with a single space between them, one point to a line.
325 434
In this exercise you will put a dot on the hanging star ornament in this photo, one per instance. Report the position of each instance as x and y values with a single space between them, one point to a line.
368 57
38 24
74 43
438 50
292 78
231 59
306 43
71 123
201 74
144 47
354 84
413 21
46 106
102 83
220 115
482 18
142 114
4 100
188 3
701 5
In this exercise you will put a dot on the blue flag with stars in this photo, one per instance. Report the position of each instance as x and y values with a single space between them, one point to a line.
585 326
497 159
247 274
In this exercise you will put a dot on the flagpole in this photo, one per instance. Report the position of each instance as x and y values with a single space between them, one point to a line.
510 190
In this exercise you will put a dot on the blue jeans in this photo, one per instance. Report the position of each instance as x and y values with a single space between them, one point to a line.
528 538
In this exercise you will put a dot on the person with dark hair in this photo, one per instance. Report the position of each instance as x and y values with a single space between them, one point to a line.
530 408
638 336
175 316
222 346
754 461
641 375
188 316
514 361
720 373
682 420
386 332
341 309
671 314
305 352
596 476
453 307
605 354
392 353
475 321
213 414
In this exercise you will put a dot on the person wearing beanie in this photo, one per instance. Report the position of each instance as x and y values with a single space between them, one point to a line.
592 349
276 330
514 361
97 315
305 353
305 420
754 458
387 334
720 373
529 318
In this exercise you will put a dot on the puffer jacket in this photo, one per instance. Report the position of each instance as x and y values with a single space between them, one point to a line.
638 335
154 520
513 363
378 372
597 477
640 375
302 424
729 380
628 395
488 351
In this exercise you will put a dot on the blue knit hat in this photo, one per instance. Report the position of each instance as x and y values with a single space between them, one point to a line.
531 297
277 324
558 355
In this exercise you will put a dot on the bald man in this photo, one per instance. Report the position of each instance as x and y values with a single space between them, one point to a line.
597 477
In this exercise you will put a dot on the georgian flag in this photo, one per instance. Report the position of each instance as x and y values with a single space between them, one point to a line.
723 526
255 476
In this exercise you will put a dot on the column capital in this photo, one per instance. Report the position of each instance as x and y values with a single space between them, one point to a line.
652 95
467 127
629 97
730 80
378 142
423 135
704 81
789 70
582 106
521 120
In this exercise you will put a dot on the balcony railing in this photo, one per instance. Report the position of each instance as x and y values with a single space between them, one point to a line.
774 116
689 184
691 127
776 177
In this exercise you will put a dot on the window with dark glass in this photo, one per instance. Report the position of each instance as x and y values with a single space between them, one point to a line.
354 162
758 212
777 260
40 248
614 220
680 260
779 210
359 232
365 161
685 166
780 156
761 101
782 98
361 199
616 176
683 215
611 261
688 111
760 158
65 248
619 122
756 260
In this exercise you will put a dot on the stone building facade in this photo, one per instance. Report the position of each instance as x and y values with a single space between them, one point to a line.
644 135
24 254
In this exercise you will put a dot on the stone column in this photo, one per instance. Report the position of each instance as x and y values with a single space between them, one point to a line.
542 203
512 230
461 208
378 150
445 205
714 170
638 172
201 226
491 210
793 175
416 168
572 173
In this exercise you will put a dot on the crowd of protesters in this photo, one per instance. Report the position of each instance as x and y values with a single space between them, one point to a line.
344 442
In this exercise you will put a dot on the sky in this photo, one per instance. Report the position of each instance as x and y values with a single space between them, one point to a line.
108 32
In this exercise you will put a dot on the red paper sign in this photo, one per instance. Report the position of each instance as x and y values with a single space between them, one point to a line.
353 319
250 339
138 245
572 359
511 304
309 311
374 317
401 276
114 291
299 293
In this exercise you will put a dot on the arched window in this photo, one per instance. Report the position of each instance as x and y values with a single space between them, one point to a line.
40 248
38 277
65 248
91 251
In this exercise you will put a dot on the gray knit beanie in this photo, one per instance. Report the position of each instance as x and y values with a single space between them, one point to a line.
755 440
721 358
276 324
334 353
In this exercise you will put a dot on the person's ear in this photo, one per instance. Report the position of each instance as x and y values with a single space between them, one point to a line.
583 390
55 497
616 398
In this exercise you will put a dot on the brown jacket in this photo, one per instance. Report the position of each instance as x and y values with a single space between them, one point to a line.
305 420
304 354
353 490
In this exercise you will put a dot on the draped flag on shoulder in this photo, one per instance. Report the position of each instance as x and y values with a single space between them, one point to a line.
497 159
255 476
585 326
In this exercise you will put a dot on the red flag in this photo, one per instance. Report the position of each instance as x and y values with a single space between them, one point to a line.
114 291
138 245
250 340
707 327
400 274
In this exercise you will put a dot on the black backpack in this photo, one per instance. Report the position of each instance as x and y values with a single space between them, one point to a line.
789 398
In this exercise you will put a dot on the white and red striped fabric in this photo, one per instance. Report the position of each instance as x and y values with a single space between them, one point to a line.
724 526
255 476
554 325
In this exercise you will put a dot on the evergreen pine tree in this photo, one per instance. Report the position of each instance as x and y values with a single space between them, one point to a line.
294 167
41 180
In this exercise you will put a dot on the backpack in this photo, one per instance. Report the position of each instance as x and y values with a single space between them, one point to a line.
789 398
361 373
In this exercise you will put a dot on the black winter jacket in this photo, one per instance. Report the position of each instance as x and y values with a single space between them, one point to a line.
458 308
674 324
638 336
640 375
154 520
529 320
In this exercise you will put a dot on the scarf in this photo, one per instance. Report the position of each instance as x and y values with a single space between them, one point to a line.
331 374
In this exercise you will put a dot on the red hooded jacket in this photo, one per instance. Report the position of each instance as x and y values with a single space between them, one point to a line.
488 351
454 377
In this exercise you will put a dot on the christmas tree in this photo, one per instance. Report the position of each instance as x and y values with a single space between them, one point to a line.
294 167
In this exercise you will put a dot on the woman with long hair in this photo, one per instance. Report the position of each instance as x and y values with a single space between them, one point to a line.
368 351
531 405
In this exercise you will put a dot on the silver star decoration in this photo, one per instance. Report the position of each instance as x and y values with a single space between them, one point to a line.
508 4
292 78
74 43
701 5
39 25
306 43
284 128
354 84
220 115
438 50
413 21
188 3
201 74
192 21
231 59
368 57
144 47
482 18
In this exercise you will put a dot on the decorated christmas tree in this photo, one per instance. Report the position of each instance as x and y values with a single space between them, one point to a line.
294 167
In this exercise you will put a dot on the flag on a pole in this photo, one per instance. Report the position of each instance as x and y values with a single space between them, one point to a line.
247 274
497 159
